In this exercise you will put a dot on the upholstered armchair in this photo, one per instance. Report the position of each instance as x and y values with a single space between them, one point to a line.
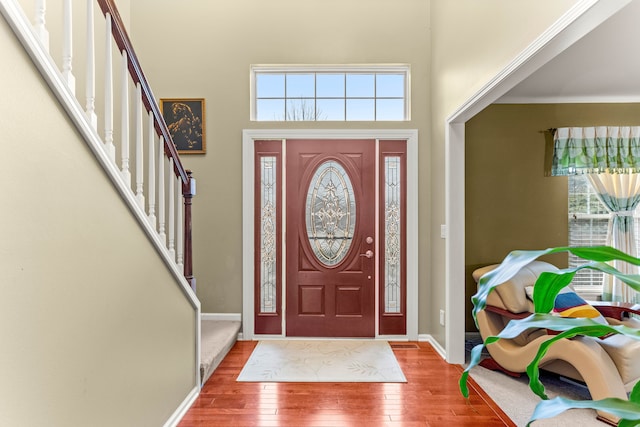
609 367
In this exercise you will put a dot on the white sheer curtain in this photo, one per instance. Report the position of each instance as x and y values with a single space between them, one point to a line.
620 193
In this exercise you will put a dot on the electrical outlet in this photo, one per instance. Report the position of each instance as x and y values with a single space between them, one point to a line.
442 317
443 231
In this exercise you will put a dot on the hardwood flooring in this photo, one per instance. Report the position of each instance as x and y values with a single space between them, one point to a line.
429 398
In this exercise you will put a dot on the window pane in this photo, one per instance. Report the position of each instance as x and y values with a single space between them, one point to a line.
360 109
390 109
330 85
390 85
270 85
392 241
330 109
270 109
301 109
330 213
300 86
588 224
360 85
268 237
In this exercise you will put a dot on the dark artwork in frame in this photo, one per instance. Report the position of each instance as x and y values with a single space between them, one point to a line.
185 118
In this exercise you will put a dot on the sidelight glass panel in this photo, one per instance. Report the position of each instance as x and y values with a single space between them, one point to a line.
268 234
330 213
392 238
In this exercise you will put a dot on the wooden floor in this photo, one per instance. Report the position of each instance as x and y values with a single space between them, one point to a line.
429 398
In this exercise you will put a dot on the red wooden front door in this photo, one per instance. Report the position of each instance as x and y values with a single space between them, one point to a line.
330 231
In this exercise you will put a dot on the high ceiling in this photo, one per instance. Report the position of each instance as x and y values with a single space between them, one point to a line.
603 66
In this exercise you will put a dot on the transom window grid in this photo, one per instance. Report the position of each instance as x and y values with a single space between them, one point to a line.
331 95
588 226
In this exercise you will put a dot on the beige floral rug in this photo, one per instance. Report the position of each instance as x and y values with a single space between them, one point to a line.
322 361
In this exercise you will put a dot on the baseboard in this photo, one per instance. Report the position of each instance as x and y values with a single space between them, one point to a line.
234 317
182 409
434 343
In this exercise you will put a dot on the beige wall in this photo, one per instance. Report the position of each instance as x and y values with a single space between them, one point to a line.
471 42
94 329
206 49
454 48
510 204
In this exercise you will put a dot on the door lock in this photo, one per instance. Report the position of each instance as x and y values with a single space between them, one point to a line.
368 254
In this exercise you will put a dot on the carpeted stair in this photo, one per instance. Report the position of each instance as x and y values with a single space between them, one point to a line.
217 338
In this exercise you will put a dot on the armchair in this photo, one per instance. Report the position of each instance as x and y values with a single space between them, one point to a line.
609 367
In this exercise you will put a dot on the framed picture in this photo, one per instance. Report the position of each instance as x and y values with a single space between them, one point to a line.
185 119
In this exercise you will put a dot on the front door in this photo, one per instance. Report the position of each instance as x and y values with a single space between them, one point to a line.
330 230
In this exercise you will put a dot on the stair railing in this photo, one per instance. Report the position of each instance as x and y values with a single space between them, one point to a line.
143 142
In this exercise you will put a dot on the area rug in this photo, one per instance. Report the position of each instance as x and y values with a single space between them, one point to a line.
322 361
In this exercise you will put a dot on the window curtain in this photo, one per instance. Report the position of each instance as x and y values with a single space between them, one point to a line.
610 157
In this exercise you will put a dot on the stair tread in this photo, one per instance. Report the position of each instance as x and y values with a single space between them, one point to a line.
217 338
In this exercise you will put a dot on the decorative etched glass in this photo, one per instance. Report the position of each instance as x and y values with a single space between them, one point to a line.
392 239
330 213
268 235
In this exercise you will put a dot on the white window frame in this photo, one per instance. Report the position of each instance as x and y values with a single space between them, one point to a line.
593 292
404 69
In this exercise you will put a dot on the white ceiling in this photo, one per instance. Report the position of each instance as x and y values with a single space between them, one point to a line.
603 66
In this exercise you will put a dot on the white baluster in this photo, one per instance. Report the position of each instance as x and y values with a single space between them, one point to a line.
151 196
161 189
139 151
39 25
126 174
91 72
180 227
108 93
172 211
67 46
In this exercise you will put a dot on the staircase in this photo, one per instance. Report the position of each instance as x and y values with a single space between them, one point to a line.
97 238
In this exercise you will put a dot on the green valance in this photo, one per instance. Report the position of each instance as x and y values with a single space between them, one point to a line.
598 149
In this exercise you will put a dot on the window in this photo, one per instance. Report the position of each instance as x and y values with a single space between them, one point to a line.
344 93
588 222
588 225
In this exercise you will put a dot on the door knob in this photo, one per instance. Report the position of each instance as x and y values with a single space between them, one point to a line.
369 240
368 254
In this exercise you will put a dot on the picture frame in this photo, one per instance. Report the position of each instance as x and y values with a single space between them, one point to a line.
185 118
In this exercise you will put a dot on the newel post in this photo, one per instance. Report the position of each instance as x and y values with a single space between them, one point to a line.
188 191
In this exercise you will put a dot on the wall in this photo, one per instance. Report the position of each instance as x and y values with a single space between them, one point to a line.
205 50
94 328
510 204
471 42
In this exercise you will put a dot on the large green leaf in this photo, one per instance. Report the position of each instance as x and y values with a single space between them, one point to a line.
634 396
547 287
601 254
620 408
476 354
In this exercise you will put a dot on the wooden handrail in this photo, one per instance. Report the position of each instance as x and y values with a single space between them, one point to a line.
124 44
135 70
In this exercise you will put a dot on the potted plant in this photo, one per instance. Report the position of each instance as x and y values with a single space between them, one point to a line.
546 288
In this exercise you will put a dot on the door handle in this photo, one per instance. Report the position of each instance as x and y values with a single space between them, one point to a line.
368 254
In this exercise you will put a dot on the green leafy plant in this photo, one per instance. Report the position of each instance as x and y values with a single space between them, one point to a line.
546 288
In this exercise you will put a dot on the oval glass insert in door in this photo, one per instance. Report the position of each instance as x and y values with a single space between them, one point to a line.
330 213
